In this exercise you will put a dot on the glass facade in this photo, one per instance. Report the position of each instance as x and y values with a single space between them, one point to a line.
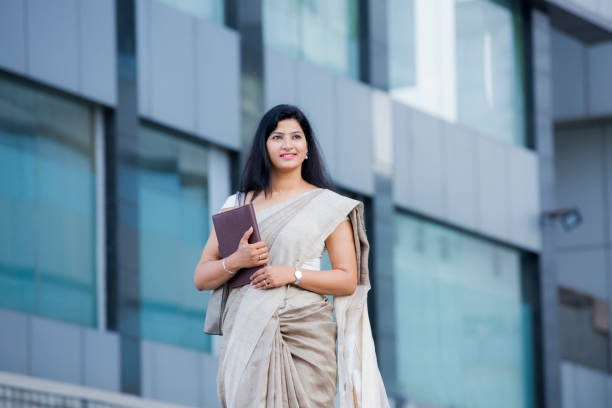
324 32
174 225
460 60
212 10
463 333
47 204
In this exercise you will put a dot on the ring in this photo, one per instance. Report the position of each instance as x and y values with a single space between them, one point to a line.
260 257
266 282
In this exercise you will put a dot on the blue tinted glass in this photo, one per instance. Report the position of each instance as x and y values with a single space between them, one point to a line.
47 204
212 10
174 225
463 334
324 32
461 61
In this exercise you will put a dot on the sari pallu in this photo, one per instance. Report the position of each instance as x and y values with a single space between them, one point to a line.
278 346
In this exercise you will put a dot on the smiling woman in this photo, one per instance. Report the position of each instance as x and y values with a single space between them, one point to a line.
279 334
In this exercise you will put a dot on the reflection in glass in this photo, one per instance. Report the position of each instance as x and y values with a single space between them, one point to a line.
212 10
47 204
321 31
174 225
463 334
461 60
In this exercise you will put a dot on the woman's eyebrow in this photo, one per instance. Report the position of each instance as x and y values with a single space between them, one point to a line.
282 133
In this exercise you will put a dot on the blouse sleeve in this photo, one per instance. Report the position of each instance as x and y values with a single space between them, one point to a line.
229 202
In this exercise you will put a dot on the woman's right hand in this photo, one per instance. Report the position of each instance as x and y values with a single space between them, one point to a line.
247 255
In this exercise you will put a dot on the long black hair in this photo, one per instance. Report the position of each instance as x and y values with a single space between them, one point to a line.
256 172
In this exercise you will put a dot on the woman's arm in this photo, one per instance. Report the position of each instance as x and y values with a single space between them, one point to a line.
340 280
209 273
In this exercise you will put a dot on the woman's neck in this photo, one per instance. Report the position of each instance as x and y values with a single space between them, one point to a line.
286 183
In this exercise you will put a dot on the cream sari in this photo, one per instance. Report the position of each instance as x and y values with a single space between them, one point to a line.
278 347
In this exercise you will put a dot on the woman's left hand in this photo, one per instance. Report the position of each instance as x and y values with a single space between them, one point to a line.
272 276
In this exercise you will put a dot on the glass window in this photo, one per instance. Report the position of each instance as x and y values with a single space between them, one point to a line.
463 333
324 32
212 10
460 60
584 324
47 204
174 225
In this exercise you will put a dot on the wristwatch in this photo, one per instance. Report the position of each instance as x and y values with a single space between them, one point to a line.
298 276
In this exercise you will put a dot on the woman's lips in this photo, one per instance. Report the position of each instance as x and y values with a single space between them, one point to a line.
288 156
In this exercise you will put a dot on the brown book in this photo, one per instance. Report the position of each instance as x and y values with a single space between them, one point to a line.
230 225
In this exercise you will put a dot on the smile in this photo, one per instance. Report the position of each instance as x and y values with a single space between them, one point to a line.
288 156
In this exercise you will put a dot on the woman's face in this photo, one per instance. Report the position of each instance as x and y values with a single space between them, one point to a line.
287 146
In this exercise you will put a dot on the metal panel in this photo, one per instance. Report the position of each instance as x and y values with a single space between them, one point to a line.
493 211
460 175
218 84
218 178
279 78
101 359
12 36
403 185
579 158
584 270
55 350
208 382
97 50
167 362
427 164
568 76
591 387
53 35
353 140
524 198
172 42
315 96
14 342
143 51
599 82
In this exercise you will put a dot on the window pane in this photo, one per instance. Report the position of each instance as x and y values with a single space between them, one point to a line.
47 204
460 60
212 10
174 225
463 334
324 32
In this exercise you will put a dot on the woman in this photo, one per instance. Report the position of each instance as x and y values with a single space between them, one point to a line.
279 334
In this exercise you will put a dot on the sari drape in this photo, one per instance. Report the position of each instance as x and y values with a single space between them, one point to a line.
279 345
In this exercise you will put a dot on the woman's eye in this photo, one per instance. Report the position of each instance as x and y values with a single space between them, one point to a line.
297 136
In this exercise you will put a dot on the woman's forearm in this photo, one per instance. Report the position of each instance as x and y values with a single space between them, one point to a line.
337 282
210 274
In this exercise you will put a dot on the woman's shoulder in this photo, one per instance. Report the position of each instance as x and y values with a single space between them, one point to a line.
229 202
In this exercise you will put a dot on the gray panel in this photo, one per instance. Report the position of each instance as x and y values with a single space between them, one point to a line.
279 78
460 175
147 369
53 42
579 158
55 350
353 130
183 388
599 79
591 387
608 177
14 342
143 51
218 84
12 36
584 270
403 189
101 360
427 164
208 381
494 214
568 393
97 50
568 76
172 45
524 197
315 96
